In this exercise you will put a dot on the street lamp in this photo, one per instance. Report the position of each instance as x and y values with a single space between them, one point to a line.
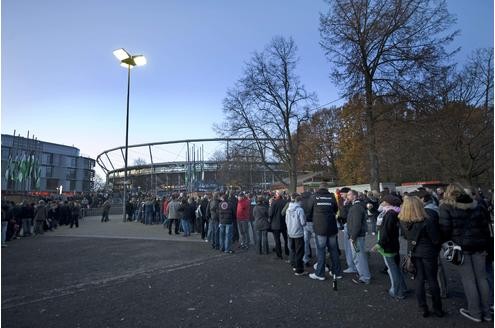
128 61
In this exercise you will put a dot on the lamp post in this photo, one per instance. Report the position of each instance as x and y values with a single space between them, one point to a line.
128 61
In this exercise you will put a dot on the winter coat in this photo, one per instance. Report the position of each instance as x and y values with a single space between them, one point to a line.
389 232
189 212
212 210
356 220
295 220
243 209
173 210
466 224
323 208
428 244
306 202
260 213
277 221
40 212
226 212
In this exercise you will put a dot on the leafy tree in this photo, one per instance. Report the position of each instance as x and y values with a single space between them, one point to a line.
380 48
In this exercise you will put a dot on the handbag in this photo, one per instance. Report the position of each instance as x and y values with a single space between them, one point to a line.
453 253
407 264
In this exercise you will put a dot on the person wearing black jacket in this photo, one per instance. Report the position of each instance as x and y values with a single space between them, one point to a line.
323 209
226 216
465 222
357 226
388 244
204 218
423 238
277 223
26 215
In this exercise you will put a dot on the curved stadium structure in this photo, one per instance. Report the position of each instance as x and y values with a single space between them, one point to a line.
187 165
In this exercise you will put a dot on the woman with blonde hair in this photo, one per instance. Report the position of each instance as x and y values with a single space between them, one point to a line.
465 222
423 237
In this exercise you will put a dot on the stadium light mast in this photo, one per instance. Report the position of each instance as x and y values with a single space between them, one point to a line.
127 61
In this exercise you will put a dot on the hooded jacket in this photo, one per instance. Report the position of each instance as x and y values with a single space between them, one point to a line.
295 220
260 213
389 231
356 220
323 209
243 209
465 222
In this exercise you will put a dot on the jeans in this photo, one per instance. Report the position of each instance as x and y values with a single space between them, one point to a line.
397 284
38 227
348 250
308 234
278 244
4 231
204 229
262 242
148 218
225 237
186 227
176 226
104 216
426 269
475 283
361 260
442 279
330 243
255 233
372 219
74 221
26 227
244 232
296 251
213 235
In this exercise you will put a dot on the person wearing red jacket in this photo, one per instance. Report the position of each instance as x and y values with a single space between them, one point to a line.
242 214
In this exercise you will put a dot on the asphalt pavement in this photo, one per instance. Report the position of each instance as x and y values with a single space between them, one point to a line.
118 274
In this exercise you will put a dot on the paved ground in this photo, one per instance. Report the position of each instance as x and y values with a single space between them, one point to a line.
119 274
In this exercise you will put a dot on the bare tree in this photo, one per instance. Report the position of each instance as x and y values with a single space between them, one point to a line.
139 161
382 47
269 104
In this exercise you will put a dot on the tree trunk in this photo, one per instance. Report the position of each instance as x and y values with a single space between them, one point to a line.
292 179
371 139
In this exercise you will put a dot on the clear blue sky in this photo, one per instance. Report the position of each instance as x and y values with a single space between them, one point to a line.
61 82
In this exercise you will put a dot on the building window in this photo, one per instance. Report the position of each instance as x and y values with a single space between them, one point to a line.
5 153
73 185
47 159
52 184
71 174
49 171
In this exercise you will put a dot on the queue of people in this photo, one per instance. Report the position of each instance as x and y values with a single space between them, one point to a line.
427 221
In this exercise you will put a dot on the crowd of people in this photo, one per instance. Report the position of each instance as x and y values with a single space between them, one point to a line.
29 219
432 222
456 224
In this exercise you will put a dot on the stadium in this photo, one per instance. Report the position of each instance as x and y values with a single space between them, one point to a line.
189 165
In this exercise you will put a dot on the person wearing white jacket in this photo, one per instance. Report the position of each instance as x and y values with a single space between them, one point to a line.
296 220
